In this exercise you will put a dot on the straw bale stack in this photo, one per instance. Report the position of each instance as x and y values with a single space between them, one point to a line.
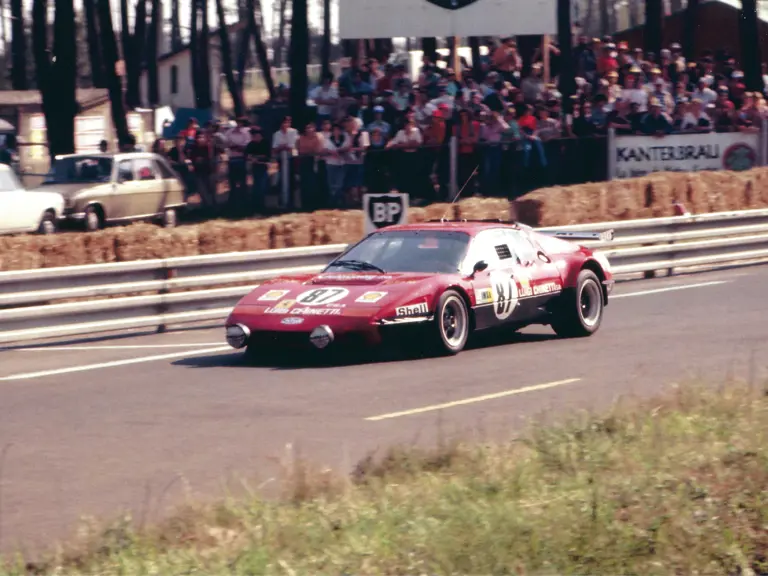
482 209
651 196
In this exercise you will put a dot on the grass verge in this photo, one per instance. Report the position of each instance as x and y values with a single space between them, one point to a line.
676 485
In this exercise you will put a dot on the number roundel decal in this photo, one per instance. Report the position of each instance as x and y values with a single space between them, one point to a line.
505 295
321 296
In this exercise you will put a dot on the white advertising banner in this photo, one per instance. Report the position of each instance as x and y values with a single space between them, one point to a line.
633 156
445 18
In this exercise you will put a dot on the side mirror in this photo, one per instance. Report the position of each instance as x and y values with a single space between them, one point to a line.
479 267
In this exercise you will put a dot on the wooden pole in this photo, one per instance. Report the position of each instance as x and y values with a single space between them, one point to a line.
545 56
456 58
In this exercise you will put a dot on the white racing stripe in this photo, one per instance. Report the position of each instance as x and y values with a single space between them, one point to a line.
117 347
667 289
87 367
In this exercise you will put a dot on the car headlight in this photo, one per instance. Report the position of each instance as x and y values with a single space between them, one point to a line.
321 336
237 336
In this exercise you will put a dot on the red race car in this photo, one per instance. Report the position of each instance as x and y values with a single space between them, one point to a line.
438 281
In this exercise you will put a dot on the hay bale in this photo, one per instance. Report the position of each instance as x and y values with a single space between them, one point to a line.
417 214
651 196
20 253
63 250
101 246
219 237
141 241
258 234
756 188
441 210
483 209
293 230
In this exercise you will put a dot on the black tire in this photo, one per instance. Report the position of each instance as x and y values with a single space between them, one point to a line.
450 329
580 312
47 224
94 220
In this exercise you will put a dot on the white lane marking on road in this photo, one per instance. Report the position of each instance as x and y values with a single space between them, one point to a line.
667 289
474 400
125 347
87 367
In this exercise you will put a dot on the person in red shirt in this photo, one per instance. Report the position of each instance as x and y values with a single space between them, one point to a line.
607 61
527 120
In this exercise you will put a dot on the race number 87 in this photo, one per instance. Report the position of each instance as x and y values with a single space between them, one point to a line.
322 296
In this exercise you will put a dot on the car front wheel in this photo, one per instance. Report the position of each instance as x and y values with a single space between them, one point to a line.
451 324
581 310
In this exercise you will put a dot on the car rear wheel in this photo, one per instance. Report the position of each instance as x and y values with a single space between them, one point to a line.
451 324
581 311
48 223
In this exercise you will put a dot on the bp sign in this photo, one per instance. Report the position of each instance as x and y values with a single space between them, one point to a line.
382 210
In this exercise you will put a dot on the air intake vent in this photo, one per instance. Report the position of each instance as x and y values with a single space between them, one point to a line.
503 252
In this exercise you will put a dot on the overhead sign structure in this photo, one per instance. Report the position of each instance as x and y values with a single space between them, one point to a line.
382 210
445 18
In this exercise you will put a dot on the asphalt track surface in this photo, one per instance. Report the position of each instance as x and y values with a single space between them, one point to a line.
137 423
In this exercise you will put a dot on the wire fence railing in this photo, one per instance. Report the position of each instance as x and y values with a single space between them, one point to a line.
436 169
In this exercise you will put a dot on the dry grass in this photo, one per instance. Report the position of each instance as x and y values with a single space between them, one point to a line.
672 486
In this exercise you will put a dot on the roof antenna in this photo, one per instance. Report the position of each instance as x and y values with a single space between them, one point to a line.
458 194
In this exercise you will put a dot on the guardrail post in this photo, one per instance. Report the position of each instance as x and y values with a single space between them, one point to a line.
285 179
454 166
167 273
673 229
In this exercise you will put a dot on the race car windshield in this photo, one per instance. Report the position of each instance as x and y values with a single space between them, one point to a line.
431 251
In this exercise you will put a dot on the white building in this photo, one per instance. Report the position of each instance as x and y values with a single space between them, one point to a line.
174 73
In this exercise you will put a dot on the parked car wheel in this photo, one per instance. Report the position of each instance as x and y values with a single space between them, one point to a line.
451 324
582 309
94 219
48 223
170 219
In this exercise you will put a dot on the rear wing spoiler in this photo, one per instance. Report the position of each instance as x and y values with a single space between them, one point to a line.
606 236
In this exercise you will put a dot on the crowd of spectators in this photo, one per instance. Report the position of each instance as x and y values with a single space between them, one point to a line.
376 129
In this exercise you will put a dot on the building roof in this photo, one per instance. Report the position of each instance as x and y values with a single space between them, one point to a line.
86 97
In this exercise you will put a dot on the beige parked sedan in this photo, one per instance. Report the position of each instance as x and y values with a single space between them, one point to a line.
107 188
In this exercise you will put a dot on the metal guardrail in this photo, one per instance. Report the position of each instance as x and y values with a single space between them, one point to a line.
154 294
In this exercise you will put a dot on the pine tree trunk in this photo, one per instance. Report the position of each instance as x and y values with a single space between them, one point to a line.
94 47
690 23
261 48
155 22
113 81
204 50
750 46
176 42
226 62
567 78
299 57
325 53
57 77
280 48
137 41
194 53
653 22
18 47
604 18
